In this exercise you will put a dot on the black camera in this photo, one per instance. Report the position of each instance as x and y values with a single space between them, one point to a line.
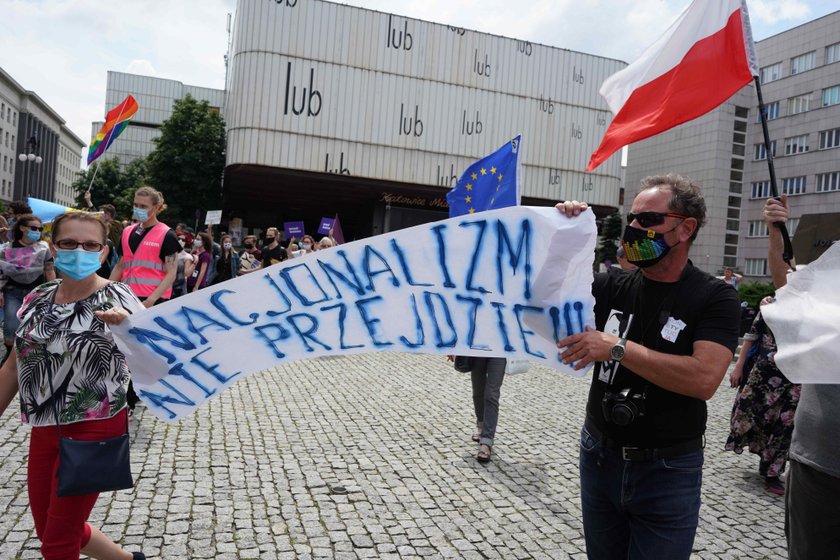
624 407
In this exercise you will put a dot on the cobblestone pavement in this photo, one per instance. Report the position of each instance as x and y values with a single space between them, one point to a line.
370 456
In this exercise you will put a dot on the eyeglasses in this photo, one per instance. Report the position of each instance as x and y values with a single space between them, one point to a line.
71 244
36 228
650 219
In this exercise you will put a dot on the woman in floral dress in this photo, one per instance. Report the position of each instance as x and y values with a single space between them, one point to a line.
68 369
762 416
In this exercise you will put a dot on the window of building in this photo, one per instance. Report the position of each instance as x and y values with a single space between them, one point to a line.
794 185
803 62
731 239
732 225
741 112
757 228
14 119
829 139
771 110
831 96
792 224
799 104
827 182
771 73
760 189
756 267
796 145
5 163
761 150
832 53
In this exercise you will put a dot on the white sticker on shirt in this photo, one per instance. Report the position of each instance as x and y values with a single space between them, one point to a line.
672 329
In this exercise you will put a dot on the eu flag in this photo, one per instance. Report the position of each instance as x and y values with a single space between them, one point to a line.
487 184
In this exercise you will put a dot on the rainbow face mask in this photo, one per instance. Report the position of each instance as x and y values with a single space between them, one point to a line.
644 247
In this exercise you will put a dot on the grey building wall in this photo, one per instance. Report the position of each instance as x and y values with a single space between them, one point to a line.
802 159
718 150
156 98
29 125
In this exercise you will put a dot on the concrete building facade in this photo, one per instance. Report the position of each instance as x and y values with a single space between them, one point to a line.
52 153
724 149
156 98
337 109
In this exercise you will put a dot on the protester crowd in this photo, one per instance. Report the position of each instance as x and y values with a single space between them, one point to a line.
666 334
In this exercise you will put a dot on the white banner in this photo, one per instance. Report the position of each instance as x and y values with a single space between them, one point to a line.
506 283
805 320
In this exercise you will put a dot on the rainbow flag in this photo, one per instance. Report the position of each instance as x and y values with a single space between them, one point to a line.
115 122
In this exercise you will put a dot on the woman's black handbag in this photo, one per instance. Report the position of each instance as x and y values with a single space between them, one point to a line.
90 467
463 364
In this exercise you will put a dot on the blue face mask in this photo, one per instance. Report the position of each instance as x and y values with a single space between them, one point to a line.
33 235
77 263
141 214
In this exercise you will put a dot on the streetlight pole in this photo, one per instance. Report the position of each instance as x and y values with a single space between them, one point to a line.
30 157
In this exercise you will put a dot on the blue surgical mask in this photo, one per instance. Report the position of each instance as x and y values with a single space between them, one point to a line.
77 263
33 235
141 214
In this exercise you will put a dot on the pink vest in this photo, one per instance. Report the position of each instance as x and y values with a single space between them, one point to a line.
143 271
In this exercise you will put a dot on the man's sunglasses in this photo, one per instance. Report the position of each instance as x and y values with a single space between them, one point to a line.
650 219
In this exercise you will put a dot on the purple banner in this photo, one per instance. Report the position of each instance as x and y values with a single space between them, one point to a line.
326 225
293 229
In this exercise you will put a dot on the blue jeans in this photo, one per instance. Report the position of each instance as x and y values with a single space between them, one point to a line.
638 509
13 300
487 376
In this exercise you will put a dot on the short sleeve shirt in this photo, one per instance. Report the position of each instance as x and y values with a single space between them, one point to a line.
67 345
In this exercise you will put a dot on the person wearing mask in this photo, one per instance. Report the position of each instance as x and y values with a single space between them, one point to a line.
25 263
812 493
250 255
307 244
16 208
186 264
272 252
58 369
148 257
228 263
198 279
665 335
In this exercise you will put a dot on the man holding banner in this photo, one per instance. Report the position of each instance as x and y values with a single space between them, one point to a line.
666 334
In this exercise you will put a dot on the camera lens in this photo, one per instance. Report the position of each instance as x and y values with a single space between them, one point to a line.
622 415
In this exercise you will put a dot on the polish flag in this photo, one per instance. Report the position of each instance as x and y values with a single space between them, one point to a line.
699 62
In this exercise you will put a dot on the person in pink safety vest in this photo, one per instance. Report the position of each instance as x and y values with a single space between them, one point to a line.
148 256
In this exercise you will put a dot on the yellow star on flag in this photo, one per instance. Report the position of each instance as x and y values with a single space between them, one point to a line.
483 171
500 176
474 176
468 199
492 171
469 187
472 210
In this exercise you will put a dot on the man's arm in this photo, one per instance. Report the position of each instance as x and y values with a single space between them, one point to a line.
697 375
776 212
170 264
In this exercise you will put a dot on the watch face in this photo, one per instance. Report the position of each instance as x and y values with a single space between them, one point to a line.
617 352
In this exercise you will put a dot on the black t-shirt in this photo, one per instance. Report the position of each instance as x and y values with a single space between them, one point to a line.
170 245
273 256
667 318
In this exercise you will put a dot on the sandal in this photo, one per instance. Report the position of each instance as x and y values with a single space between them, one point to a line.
483 455
476 437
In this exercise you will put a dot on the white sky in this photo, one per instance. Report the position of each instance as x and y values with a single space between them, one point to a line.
62 49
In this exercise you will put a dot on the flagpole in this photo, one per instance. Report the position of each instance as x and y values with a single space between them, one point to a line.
787 251
95 171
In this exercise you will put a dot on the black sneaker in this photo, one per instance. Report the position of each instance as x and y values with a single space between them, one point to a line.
774 485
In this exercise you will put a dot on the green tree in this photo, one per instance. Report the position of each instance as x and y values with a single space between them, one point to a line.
754 292
188 160
111 185
610 233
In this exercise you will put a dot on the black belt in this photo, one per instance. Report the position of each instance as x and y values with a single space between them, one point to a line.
631 453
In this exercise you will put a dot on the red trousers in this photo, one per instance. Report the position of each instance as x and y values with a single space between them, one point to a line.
61 523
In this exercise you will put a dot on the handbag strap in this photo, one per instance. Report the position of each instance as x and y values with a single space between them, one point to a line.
55 408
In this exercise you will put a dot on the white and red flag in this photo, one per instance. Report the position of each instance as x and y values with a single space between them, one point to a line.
698 63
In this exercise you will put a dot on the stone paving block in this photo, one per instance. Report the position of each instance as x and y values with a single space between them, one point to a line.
254 473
